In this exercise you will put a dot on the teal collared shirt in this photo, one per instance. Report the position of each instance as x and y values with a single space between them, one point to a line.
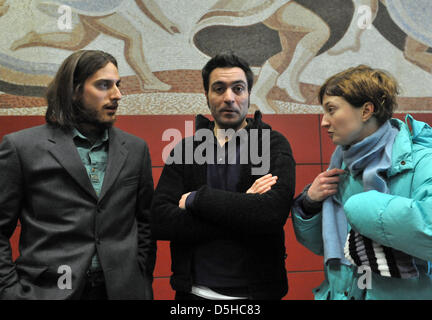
95 159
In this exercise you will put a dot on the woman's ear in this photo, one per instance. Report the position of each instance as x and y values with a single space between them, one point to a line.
368 111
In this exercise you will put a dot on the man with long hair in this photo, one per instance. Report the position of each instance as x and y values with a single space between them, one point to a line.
81 190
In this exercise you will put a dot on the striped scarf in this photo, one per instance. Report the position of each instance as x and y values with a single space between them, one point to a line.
385 261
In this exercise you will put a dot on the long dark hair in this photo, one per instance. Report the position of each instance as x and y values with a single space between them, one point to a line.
67 86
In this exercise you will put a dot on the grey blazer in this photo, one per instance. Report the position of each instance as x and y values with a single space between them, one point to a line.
45 186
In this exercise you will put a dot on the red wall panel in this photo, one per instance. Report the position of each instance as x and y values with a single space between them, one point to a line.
156 172
162 289
298 257
163 259
151 129
302 133
14 241
305 174
301 284
10 124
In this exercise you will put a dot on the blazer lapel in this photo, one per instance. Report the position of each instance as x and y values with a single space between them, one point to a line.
117 154
66 153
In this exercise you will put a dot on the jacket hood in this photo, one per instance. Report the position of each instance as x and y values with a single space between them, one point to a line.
202 122
411 132
421 132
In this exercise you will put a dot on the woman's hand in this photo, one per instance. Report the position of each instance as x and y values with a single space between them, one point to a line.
325 185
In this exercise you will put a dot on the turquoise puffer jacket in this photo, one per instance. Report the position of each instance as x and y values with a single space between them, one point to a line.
401 220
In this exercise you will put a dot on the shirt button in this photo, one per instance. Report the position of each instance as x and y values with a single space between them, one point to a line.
346 293
403 162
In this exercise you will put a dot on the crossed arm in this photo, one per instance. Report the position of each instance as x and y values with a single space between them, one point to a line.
261 210
260 186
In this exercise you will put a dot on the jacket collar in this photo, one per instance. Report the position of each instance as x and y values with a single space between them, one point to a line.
117 154
64 150
402 158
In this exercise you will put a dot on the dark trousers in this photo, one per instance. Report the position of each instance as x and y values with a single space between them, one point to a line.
94 288
184 296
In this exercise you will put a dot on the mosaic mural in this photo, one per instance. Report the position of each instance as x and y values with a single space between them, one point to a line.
161 46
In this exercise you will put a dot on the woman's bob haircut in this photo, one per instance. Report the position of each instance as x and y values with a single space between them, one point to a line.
362 84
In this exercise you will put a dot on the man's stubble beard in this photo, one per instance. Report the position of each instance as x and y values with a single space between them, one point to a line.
236 125
88 116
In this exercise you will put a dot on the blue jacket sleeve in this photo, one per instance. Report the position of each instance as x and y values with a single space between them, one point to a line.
403 223
308 231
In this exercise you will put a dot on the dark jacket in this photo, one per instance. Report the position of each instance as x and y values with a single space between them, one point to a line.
44 185
255 220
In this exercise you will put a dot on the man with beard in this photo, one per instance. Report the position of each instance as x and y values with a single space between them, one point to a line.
81 190
225 221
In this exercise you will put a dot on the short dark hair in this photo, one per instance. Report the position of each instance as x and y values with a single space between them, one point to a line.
361 84
68 83
226 60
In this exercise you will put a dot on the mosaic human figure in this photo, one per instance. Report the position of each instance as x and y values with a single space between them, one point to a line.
100 17
294 24
406 15
3 7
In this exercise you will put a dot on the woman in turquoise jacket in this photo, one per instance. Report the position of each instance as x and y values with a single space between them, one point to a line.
370 213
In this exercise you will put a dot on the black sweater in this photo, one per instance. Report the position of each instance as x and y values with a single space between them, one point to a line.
254 220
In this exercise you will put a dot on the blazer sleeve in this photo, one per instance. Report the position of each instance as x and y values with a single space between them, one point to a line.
253 213
395 221
146 245
11 191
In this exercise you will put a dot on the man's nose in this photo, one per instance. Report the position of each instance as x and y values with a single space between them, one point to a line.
116 93
229 96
